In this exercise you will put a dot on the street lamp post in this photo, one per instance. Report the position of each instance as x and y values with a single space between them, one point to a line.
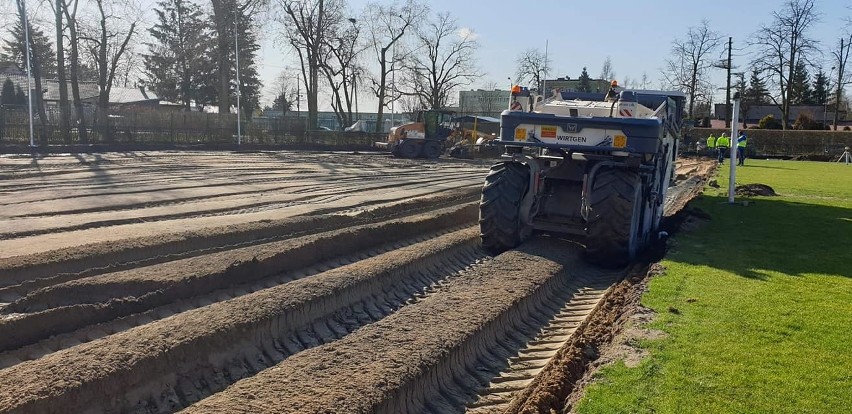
355 71
26 25
237 54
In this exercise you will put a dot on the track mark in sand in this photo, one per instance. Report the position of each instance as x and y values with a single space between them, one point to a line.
75 304
140 364
24 274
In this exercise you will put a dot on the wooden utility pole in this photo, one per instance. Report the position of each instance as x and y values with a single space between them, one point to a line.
841 68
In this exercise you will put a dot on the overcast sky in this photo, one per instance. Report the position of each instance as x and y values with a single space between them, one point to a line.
636 35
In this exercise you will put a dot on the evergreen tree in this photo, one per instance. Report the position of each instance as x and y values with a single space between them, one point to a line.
20 96
249 79
7 96
179 60
585 84
821 88
756 93
40 46
800 92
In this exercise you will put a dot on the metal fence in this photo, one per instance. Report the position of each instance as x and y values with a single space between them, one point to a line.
145 126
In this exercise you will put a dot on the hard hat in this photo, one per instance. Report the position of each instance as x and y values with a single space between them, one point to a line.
614 83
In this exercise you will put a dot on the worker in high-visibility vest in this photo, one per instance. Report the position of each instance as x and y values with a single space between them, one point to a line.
711 144
742 140
722 145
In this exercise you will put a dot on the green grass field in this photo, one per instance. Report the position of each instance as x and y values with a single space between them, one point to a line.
756 304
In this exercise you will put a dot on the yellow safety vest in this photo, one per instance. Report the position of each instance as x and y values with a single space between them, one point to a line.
722 142
711 141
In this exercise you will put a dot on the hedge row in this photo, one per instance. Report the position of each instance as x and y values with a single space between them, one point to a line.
783 143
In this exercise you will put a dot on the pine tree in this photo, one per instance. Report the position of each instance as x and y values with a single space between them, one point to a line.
40 46
800 93
821 88
585 84
20 96
756 93
7 96
178 61
249 79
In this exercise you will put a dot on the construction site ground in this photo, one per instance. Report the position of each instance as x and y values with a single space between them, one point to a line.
300 282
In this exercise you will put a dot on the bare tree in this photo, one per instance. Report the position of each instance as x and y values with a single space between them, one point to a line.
687 68
445 61
487 104
340 66
70 10
844 77
645 83
64 109
307 23
107 45
388 24
532 66
783 44
607 72
286 91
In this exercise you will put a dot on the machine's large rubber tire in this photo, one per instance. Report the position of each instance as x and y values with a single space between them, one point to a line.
615 210
408 149
499 209
432 150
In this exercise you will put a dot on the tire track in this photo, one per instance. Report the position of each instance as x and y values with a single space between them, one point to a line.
20 275
269 318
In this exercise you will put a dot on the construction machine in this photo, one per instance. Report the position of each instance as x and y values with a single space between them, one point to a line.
591 167
424 138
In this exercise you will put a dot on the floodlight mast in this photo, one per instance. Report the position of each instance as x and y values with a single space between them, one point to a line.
26 26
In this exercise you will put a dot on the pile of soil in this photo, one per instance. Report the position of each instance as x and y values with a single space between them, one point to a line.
751 190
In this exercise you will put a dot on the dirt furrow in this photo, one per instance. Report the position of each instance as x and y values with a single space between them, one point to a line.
75 304
198 197
36 270
393 368
21 246
128 369
88 333
24 227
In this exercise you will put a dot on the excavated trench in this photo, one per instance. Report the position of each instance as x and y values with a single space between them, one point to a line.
389 308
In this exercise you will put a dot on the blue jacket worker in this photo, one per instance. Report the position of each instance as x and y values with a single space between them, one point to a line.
742 140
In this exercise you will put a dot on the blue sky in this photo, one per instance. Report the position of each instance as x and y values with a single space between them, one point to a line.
636 35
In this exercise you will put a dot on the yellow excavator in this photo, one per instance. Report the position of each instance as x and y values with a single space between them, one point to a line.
424 138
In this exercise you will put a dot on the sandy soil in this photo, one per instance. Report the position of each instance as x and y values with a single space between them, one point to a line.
285 282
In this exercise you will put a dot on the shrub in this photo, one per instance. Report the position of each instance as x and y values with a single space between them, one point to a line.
806 121
846 128
769 122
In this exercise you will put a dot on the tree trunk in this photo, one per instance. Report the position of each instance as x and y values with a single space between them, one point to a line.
64 110
383 78
840 72
75 80
223 26
103 82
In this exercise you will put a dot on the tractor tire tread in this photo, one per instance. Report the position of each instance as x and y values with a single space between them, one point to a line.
610 212
499 209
